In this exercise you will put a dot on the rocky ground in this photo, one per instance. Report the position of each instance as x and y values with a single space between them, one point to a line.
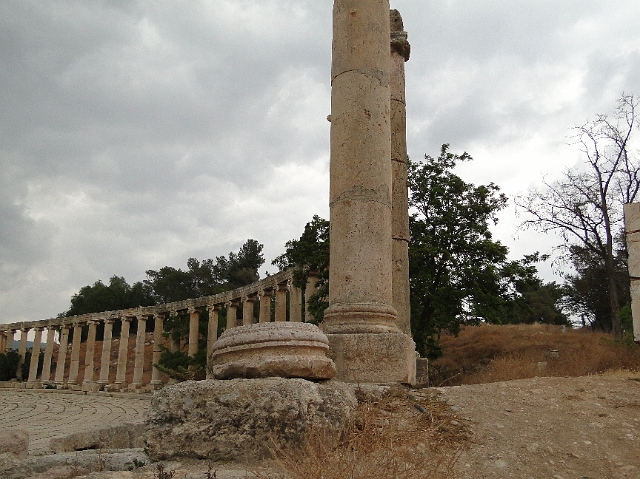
584 427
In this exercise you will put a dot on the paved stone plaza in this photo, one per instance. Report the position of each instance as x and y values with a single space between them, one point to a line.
46 414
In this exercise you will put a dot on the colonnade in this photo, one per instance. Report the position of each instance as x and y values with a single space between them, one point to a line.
69 368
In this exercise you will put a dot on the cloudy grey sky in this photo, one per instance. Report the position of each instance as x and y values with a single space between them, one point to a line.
137 134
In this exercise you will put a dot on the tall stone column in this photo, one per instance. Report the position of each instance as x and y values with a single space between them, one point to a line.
175 345
22 351
232 312
35 356
11 334
123 352
281 302
400 50
3 341
361 322
247 309
265 305
310 289
212 334
632 233
62 354
105 359
295 303
48 353
139 363
158 339
194 325
75 353
89 353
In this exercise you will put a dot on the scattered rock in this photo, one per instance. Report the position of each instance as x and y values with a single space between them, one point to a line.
14 441
123 436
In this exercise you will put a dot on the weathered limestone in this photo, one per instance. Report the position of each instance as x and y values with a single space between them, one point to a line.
3 341
265 305
240 419
139 362
400 50
75 353
232 312
22 351
310 289
194 325
35 356
88 358
123 350
212 335
156 382
9 341
247 309
14 441
281 302
106 352
48 354
361 308
295 303
62 355
284 349
632 227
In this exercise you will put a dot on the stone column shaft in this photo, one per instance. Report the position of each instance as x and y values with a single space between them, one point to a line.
48 353
360 286
158 339
3 341
265 305
139 364
247 310
105 360
62 354
400 51
22 351
295 304
281 302
310 289
232 311
10 339
75 353
35 355
123 352
88 357
194 324
632 233
212 335
175 345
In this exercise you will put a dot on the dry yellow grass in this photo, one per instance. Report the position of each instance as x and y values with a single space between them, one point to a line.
489 353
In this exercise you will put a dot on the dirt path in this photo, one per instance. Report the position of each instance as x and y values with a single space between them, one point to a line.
585 427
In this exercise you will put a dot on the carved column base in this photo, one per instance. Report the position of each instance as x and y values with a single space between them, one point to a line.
374 357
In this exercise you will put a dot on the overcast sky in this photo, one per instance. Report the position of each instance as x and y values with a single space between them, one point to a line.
137 134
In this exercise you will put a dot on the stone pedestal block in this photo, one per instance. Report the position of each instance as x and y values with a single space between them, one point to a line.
373 357
279 349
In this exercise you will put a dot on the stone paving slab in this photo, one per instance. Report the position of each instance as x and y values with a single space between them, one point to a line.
46 414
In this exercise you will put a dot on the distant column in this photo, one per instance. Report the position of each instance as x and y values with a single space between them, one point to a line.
75 353
35 355
175 344
89 353
400 50
139 364
281 302
632 233
105 360
232 312
295 303
310 289
123 352
265 305
3 341
62 354
48 353
158 339
212 334
194 325
10 339
247 309
22 351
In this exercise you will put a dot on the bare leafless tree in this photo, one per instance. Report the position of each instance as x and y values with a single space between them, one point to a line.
585 206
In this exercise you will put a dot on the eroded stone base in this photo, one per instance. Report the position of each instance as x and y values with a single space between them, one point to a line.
373 357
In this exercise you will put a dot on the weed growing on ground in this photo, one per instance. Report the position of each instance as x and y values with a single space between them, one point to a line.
162 474
389 437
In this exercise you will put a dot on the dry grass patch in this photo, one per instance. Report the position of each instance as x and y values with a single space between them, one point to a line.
487 353
399 435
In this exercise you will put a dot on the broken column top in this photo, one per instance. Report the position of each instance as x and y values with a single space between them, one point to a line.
399 42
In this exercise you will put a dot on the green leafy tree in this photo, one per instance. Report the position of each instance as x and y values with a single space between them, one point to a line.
310 254
118 294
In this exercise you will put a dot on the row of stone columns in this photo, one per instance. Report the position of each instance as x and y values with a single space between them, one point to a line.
264 296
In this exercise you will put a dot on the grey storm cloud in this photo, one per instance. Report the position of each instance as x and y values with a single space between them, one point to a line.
136 134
